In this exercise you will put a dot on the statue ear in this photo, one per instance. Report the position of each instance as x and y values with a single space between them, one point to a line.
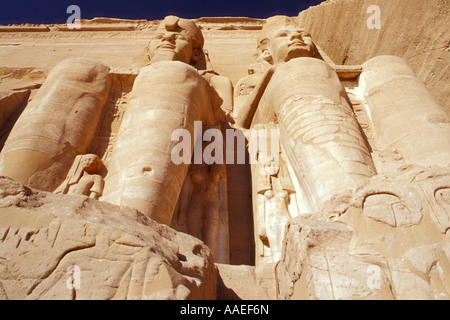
265 52
196 54
266 55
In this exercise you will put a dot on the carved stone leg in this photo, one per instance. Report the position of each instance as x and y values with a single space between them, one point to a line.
58 124
404 114
319 132
166 96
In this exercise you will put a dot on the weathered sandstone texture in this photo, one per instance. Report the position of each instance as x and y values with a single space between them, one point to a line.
354 202
302 157
391 243
119 253
415 30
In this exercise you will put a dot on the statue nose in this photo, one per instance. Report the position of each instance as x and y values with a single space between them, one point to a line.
297 35
168 37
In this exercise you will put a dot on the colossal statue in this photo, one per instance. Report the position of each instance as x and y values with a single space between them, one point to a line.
177 88
57 125
405 115
319 133
167 95
362 204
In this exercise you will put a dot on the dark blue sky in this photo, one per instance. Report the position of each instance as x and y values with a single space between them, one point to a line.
54 11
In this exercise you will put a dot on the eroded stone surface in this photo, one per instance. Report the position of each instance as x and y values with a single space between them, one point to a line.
117 252
391 247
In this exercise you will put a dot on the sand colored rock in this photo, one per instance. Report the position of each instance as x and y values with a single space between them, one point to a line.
225 158
241 283
10 102
401 252
415 30
57 125
119 253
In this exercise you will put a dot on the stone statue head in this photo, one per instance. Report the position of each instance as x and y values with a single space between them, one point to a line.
282 39
176 39
90 163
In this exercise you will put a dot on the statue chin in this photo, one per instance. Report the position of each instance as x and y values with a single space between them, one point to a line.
164 55
300 52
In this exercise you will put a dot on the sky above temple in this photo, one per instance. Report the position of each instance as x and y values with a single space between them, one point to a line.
55 11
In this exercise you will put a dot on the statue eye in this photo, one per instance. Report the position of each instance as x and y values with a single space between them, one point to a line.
282 34
180 36
304 34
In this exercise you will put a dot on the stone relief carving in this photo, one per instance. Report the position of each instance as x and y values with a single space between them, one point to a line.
273 193
390 200
84 178
435 185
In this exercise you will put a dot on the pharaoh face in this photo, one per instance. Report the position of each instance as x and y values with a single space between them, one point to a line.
286 43
91 163
176 40
171 46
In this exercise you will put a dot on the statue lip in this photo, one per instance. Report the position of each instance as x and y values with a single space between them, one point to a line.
297 42
166 46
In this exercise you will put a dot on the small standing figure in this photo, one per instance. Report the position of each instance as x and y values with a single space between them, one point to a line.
203 217
83 178
272 187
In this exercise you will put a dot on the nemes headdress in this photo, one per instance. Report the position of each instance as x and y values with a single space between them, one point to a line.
274 23
189 28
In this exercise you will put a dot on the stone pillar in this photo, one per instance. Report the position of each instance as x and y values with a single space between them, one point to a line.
166 96
404 114
319 132
58 124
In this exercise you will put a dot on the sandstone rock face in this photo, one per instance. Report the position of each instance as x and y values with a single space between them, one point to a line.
227 158
412 29
59 123
10 101
391 243
72 247
368 184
